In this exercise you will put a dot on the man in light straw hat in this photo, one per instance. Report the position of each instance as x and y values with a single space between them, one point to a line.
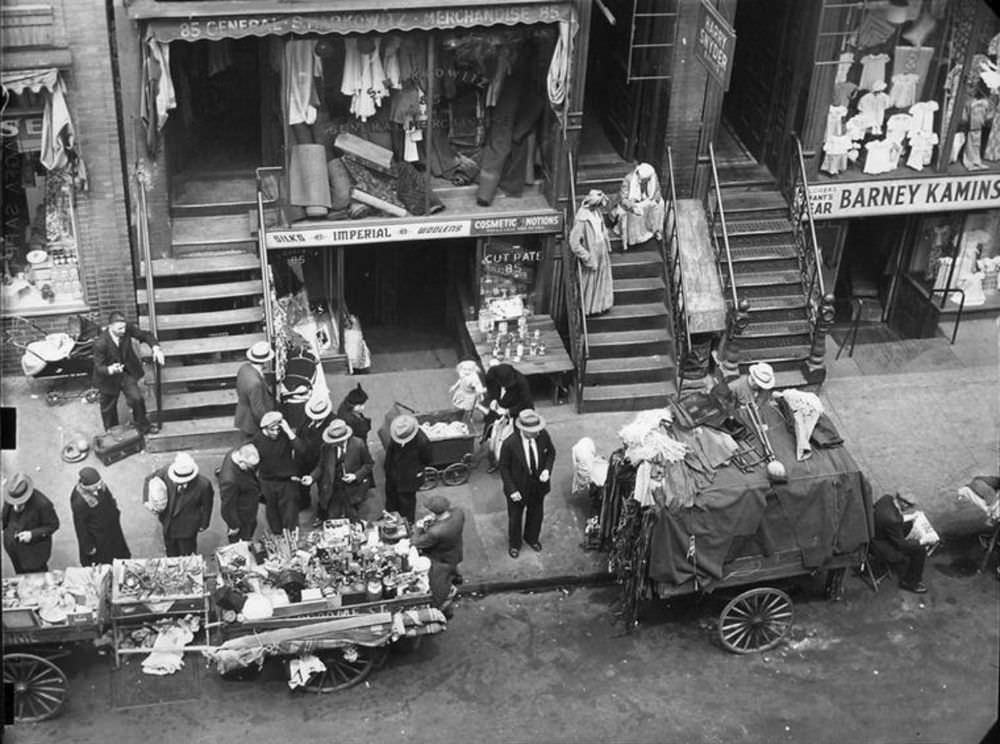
406 456
755 386
318 412
279 448
28 523
341 475
253 397
526 459
182 499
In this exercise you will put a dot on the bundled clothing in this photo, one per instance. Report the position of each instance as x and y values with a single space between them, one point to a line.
97 521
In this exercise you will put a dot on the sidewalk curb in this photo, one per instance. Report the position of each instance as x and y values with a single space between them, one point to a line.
492 586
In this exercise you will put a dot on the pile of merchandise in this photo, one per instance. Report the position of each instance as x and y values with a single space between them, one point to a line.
158 578
57 595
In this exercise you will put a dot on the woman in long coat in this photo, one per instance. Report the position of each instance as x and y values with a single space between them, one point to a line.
591 244
97 521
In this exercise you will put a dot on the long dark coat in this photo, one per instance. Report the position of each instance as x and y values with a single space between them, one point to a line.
106 353
239 493
328 471
405 463
98 528
188 510
39 517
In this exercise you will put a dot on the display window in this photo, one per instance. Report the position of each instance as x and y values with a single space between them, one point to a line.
508 273
958 251
911 86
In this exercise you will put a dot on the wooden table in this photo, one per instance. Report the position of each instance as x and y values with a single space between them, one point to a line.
555 364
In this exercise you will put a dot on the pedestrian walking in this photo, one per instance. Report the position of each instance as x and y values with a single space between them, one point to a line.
253 398
97 520
526 459
279 448
239 492
29 520
408 453
182 500
118 370
342 473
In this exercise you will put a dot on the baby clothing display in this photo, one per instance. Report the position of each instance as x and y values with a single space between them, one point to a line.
972 153
873 70
903 92
881 156
836 143
872 106
364 76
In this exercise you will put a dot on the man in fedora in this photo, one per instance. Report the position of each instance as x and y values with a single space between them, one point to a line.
318 413
526 459
117 369
341 475
182 499
97 520
755 386
239 492
406 456
253 398
28 523
279 448
892 544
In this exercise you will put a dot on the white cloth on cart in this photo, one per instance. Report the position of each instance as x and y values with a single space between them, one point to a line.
300 669
162 663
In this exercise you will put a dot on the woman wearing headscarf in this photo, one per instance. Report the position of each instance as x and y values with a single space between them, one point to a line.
640 209
591 244
97 520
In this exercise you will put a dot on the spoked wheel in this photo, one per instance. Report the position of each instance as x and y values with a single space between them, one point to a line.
756 620
92 395
455 474
345 667
40 687
53 398
430 479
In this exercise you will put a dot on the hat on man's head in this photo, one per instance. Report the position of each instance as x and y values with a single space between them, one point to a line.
762 375
529 421
89 477
437 504
319 408
907 497
117 316
357 396
403 428
260 352
19 489
270 419
183 469
337 432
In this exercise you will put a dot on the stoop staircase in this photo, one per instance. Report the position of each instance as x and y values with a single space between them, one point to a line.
209 308
766 269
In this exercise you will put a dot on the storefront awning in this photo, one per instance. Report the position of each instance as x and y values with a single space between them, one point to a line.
206 20
17 81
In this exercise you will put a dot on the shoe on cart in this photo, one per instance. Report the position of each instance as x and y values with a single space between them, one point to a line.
917 588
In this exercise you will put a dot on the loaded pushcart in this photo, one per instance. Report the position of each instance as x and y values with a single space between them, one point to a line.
686 527
329 604
452 443
44 615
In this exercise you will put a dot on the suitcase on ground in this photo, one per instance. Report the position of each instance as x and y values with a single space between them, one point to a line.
117 443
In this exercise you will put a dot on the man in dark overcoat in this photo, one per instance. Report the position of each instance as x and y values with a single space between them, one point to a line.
406 456
253 397
29 520
341 475
117 369
526 459
891 544
182 499
97 520
239 492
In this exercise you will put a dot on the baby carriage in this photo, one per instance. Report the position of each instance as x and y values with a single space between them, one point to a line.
57 357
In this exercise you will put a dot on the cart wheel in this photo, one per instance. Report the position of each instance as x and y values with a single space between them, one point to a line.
92 395
430 479
53 398
345 667
40 687
455 474
756 620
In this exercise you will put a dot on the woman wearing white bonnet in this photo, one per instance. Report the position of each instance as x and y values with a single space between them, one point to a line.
591 244
640 209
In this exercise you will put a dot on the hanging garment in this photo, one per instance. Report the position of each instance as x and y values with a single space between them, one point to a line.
921 149
302 67
220 56
843 93
57 128
951 83
872 70
881 156
913 60
158 97
390 61
923 115
835 143
903 92
557 80
992 151
591 245
872 106
843 67
972 154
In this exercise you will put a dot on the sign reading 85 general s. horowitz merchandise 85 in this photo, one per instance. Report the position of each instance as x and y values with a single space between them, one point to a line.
830 201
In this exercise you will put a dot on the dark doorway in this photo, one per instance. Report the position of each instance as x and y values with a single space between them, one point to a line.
867 265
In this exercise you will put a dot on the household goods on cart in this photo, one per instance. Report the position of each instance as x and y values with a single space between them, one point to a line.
452 443
329 602
42 614
741 529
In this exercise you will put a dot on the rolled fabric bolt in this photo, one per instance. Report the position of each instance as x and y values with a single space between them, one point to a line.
380 204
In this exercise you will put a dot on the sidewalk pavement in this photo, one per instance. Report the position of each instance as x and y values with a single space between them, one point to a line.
922 416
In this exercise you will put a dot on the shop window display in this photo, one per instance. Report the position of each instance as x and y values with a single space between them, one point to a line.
507 279
959 251
897 85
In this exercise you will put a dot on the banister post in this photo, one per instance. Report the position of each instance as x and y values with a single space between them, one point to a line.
737 319
814 367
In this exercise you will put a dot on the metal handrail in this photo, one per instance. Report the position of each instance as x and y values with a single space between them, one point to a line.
142 181
265 269
671 265
961 307
804 181
576 268
725 231
574 310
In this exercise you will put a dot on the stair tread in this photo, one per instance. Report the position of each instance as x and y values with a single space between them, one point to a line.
631 363
635 257
210 344
787 378
220 397
202 291
642 282
747 227
774 353
628 391
777 328
626 337
204 264
208 424
765 278
635 309
777 302
208 228
768 251
212 319
191 372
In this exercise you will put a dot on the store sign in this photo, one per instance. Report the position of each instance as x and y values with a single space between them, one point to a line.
326 22
24 126
714 44
905 195
394 232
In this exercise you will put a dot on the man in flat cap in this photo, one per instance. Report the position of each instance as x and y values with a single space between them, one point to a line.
891 541
97 520
29 520
279 448
253 398
439 537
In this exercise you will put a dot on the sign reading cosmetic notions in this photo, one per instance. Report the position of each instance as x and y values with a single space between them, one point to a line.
831 201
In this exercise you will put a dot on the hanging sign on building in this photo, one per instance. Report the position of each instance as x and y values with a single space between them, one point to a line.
904 195
401 230
714 43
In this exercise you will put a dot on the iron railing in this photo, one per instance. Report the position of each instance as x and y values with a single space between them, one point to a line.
573 283
716 213
142 234
673 276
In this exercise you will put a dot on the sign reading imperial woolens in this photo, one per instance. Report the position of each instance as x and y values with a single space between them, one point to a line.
864 198
714 44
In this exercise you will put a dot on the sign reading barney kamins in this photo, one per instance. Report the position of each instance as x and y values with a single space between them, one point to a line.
863 199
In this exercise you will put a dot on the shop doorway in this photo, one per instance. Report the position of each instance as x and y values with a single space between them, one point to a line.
220 89
406 298
871 250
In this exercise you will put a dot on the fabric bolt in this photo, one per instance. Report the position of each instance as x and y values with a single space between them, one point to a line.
875 29
302 68
872 70
903 92
591 244
873 107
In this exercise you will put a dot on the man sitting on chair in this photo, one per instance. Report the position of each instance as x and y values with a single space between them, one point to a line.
892 544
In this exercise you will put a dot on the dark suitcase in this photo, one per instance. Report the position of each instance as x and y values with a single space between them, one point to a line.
117 443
